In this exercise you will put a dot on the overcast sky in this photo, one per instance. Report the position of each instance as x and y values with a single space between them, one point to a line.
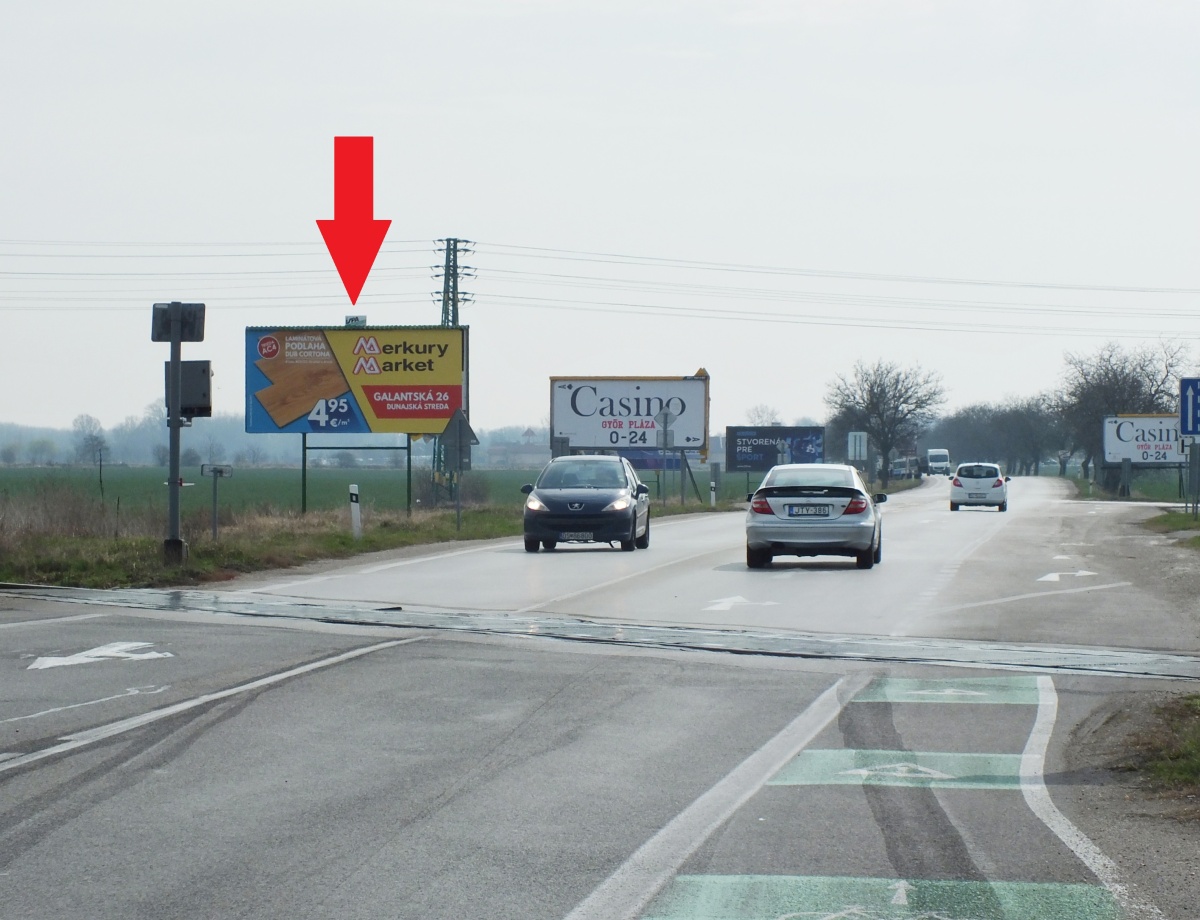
769 190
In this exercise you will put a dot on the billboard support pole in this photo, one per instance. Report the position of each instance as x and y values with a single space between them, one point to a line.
408 480
304 472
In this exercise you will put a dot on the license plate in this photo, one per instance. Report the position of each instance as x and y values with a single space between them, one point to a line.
576 535
808 510
976 495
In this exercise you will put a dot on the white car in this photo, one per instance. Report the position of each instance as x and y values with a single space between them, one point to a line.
813 509
979 484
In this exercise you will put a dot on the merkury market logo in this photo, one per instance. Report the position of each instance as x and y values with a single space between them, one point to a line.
368 350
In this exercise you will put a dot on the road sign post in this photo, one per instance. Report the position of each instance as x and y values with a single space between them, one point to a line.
355 514
1189 406
176 323
216 472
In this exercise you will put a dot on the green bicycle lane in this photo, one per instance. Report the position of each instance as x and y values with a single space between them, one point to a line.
919 803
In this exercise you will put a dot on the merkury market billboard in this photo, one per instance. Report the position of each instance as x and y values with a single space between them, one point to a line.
596 413
340 380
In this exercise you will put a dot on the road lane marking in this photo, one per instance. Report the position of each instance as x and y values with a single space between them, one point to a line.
784 897
1032 595
47 622
121 651
385 566
132 691
616 581
90 736
728 603
624 894
1037 797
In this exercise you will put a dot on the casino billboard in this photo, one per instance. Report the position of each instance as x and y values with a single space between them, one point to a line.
340 380
596 413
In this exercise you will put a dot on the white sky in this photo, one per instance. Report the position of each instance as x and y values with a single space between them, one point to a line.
1052 144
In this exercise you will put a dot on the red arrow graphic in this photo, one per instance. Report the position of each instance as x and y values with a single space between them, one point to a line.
353 237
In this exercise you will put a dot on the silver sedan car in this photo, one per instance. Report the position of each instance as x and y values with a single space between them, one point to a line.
813 509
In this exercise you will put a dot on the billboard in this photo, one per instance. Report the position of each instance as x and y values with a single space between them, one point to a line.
755 449
608 413
339 380
1146 440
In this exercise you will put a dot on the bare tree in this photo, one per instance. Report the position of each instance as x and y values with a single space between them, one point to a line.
893 405
216 450
8 454
763 414
89 439
1114 381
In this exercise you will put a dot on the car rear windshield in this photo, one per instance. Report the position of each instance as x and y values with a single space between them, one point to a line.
813 477
583 474
979 471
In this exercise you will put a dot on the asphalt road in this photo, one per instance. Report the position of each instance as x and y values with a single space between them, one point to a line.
474 731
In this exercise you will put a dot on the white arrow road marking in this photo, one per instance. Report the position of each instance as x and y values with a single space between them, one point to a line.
898 771
1058 558
120 650
728 603
902 889
132 691
1054 576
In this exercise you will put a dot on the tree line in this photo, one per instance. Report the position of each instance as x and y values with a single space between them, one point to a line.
898 409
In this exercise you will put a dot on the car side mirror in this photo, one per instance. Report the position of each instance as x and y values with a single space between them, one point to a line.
880 498
1008 479
642 489
527 488
749 496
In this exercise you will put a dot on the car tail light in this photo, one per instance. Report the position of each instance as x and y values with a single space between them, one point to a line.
998 484
760 506
856 506
957 482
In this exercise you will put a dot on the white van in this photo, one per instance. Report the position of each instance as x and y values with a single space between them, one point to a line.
937 460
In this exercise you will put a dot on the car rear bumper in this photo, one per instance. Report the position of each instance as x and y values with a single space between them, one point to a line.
832 539
963 498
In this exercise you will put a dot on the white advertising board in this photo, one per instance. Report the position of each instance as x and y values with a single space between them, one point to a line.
610 413
1146 440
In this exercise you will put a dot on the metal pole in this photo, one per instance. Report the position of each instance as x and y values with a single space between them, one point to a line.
303 472
216 476
408 484
174 551
682 481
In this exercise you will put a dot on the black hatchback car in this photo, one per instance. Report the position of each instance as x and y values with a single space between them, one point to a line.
587 499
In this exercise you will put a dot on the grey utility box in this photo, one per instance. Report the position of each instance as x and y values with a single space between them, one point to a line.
195 394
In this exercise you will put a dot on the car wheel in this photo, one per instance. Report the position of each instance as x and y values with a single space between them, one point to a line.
643 542
757 558
531 544
865 559
1004 506
549 544
628 545
954 506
